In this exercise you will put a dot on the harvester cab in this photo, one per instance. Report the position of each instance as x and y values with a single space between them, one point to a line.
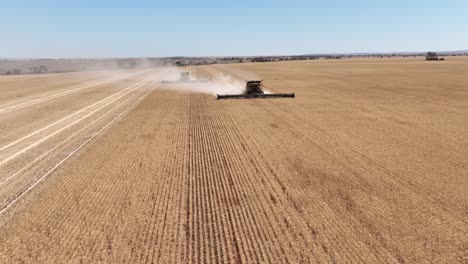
254 89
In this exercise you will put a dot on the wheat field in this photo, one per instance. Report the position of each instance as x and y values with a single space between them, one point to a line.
368 164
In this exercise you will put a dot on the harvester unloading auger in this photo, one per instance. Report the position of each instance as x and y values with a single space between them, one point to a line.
254 89
184 77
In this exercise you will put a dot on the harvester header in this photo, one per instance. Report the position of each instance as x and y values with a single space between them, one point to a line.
254 89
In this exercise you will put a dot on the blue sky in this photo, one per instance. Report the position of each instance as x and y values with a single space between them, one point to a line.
116 28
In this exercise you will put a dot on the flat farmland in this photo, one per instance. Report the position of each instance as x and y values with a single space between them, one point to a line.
368 164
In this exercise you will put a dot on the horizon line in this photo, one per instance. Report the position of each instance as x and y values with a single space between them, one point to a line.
363 53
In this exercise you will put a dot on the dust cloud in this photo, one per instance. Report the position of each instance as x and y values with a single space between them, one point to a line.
219 84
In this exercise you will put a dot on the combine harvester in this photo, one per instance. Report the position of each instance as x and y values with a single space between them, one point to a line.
184 77
254 89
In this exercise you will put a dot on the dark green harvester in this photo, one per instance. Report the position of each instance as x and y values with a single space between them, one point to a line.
254 89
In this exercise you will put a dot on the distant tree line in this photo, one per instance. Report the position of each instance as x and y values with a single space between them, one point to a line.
39 69
13 72
33 70
432 56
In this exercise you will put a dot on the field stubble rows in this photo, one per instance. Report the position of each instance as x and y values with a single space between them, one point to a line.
338 174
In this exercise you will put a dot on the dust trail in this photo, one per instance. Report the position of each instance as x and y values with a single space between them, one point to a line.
220 84
232 81
238 73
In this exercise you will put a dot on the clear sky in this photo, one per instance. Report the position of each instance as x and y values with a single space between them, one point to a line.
116 28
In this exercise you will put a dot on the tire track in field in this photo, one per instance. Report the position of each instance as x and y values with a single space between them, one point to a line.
439 199
51 218
173 181
19 127
105 102
13 106
98 253
45 155
151 231
266 160
241 222
21 105
154 230
248 220
224 118
29 165
301 146
97 196
265 147
158 216
21 88
43 177
103 249
205 232
297 120
185 178
23 100
281 194
247 187
51 150
403 189
252 217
